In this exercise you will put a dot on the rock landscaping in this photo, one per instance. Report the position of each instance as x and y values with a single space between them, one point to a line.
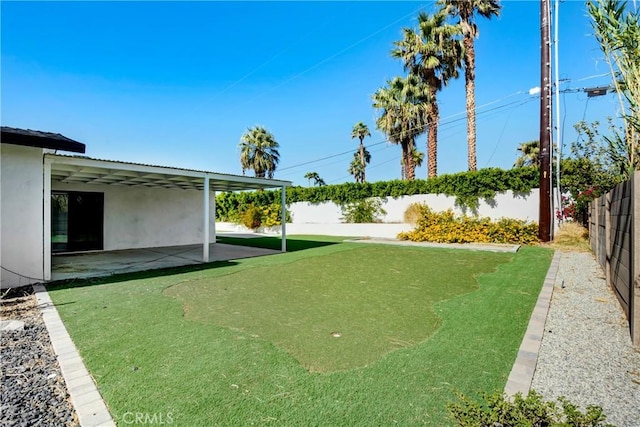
32 389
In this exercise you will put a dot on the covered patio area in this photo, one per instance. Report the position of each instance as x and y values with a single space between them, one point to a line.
104 217
107 263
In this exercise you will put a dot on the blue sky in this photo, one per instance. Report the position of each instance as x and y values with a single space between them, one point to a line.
178 83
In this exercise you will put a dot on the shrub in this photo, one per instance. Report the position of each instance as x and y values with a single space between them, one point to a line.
446 227
363 211
251 218
497 410
467 187
413 213
272 215
257 216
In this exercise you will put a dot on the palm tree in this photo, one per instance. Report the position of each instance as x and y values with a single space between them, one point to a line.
433 54
418 157
529 154
311 175
259 151
356 167
403 116
316 179
466 11
360 131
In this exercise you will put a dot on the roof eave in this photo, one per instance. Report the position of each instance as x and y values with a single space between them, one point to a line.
53 142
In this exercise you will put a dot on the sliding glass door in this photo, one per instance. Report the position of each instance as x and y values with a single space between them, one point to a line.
77 221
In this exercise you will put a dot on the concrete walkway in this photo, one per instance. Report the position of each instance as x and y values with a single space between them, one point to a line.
492 247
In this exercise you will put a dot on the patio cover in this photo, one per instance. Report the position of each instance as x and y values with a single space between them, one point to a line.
86 170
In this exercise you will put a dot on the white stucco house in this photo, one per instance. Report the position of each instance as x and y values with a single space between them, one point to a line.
54 200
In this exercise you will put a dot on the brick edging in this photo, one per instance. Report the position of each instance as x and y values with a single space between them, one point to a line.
87 401
524 367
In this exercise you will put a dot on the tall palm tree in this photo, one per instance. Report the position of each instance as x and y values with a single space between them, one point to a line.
418 159
432 53
402 116
259 151
360 131
466 11
356 167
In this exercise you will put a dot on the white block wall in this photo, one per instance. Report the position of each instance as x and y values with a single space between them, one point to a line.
326 218
508 205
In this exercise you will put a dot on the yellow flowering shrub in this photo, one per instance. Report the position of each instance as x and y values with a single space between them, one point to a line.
262 216
446 227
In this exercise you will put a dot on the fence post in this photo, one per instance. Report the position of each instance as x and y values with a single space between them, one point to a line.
634 284
607 239
593 225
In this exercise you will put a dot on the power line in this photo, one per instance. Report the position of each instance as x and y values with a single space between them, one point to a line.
290 172
503 128
335 55
451 119
395 159
442 123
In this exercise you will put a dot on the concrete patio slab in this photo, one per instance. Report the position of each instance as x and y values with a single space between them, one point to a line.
106 263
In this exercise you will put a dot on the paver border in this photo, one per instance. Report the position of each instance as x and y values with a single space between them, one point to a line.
524 367
85 397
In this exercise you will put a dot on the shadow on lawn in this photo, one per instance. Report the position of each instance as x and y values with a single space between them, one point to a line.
275 243
137 275
293 245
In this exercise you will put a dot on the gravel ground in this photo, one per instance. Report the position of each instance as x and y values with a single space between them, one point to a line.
32 389
586 353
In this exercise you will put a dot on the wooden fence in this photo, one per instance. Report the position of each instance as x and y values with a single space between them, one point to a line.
614 234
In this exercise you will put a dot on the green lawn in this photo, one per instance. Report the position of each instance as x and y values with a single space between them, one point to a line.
250 341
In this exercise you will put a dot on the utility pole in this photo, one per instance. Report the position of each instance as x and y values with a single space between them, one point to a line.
544 222
557 146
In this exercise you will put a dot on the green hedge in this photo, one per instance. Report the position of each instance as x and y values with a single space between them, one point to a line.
467 187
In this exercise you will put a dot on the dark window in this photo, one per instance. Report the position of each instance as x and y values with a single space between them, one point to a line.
77 220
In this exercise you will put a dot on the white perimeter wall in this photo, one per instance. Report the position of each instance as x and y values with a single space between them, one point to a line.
504 205
21 215
326 218
139 217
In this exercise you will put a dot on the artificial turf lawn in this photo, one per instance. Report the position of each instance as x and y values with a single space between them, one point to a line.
161 345
377 298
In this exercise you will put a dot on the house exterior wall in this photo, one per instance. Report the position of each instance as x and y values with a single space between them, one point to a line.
140 217
21 215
